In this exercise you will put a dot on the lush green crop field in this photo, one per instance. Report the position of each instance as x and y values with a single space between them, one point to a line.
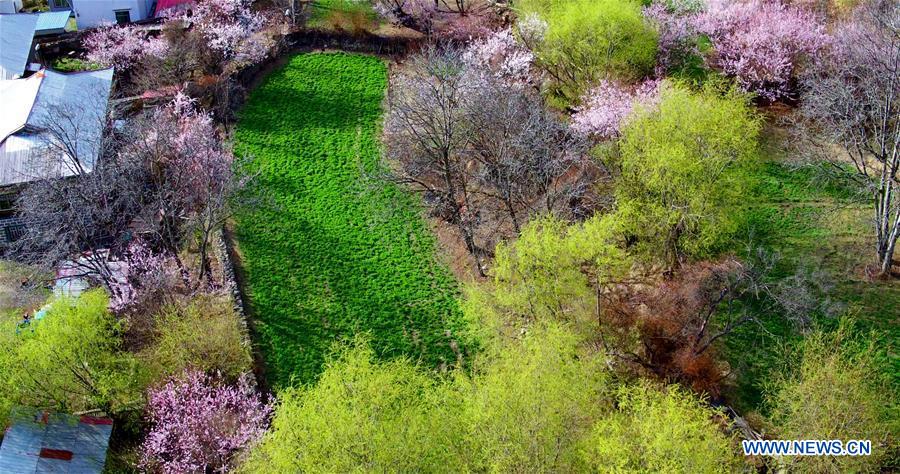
334 252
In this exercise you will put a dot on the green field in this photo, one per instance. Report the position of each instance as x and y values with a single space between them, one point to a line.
334 252
814 224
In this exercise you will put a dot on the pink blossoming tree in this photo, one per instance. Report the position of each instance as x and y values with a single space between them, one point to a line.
762 43
122 47
606 107
199 425
501 56
676 21
231 28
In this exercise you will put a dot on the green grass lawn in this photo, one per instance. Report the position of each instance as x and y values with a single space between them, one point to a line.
812 223
334 253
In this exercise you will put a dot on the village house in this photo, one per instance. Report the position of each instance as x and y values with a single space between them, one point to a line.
94 13
35 108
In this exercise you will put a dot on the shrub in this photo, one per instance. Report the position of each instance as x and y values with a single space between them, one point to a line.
590 40
655 430
75 65
203 334
684 168
763 44
198 425
833 388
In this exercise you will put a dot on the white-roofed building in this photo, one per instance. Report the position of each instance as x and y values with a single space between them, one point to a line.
94 13
16 44
52 23
52 126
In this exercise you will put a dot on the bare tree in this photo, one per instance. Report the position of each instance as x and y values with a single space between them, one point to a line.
523 150
81 196
853 101
428 134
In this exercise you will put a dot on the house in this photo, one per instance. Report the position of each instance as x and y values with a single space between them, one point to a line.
54 23
16 44
44 442
94 13
30 137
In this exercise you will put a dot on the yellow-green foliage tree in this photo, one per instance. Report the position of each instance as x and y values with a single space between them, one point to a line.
832 388
70 360
553 269
659 430
203 334
535 403
527 406
589 40
684 167
362 416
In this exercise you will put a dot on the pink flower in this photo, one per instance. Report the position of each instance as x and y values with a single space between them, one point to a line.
606 107
198 425
762 44
501 56
122 46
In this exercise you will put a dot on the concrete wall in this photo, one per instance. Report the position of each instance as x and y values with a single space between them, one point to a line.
10 6
93 13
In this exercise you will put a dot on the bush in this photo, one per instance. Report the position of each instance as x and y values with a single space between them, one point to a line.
75 65
684 168
204 334
656 430
833 388
590 40
534 402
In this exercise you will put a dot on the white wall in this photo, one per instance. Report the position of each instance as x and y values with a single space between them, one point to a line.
10 6
92 13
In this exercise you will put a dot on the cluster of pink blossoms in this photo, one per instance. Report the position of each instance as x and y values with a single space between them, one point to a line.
501 56
122 46
232 28
762 44
606 107
198 425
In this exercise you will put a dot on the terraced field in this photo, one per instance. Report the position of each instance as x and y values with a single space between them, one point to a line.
333 252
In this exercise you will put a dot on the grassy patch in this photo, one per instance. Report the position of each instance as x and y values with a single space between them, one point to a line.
343 15
815 224
334 254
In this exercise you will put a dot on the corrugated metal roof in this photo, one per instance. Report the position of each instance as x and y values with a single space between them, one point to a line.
17 97
79 100
16 35
41 442
52 20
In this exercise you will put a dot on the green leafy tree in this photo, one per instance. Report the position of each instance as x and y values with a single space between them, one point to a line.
553 268
524 408
655 430
529 404
361 416
203 334
70 360
589 40
832 388
684 171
